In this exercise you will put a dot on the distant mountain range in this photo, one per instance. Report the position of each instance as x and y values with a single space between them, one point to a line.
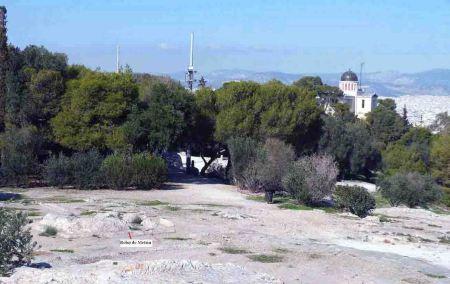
434 82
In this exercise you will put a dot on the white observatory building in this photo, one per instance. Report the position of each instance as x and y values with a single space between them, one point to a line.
359 98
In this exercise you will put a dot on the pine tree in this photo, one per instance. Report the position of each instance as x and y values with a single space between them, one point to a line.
3 65
202 82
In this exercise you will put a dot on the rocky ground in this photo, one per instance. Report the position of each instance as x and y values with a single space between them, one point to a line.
206 232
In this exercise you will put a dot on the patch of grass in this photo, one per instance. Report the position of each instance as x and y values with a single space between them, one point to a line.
280 250
413 228
88 213
435 226
133 228
385 218
136 220
329 209
233 250
152 203
10 197
315 256
276 199
444 240
63 250
440 210
259 198
211 204
172 208
380 201
266 258
424 240
34 214
203 243
62 199
293 206
49 231
177 239
200 210
437 276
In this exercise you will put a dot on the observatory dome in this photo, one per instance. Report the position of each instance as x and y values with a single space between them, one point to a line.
349 76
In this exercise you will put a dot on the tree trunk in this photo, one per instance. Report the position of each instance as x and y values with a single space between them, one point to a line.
269 196
207 164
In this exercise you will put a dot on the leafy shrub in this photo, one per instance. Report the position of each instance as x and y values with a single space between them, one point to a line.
312 178
82 170
356 199
117 171
243 153
19 149
58 171
411 189
49 231
141 170
148 171
86 169
216 170
16 247
260 167
277 158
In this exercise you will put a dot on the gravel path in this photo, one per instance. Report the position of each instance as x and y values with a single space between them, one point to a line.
207 232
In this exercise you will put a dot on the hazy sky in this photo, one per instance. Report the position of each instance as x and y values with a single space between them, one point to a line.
291 35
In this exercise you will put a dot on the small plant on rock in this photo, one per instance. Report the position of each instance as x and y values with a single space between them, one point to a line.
136 220
49 231
16 246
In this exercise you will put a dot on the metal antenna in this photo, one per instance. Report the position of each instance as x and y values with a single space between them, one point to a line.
360 75
190 72
117 59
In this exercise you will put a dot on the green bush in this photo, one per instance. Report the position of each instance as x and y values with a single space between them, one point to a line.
411 189
310 179
82 170
141 170
16 246
148 171
19 148
243 156
355 199
274 164
86 169
58 171
257 166
117 171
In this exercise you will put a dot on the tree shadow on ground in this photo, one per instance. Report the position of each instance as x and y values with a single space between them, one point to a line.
178 176
8 196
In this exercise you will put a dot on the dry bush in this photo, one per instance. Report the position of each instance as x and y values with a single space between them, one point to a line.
311 178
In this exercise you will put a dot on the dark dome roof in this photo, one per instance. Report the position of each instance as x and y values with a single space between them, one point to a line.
349 76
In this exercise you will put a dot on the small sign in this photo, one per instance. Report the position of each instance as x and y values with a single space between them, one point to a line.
135 243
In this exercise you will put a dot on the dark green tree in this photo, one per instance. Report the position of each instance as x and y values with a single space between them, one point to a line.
410 153
164 121
202 82
249 109
351 145
202 134
93 108
385 123
326 95
3 66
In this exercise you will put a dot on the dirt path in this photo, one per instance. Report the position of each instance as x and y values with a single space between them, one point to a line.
209 232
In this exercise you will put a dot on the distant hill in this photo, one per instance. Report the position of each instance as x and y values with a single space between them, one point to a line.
434 82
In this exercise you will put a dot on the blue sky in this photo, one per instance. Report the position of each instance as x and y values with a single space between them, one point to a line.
290 36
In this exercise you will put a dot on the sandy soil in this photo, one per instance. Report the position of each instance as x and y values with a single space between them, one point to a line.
206 232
